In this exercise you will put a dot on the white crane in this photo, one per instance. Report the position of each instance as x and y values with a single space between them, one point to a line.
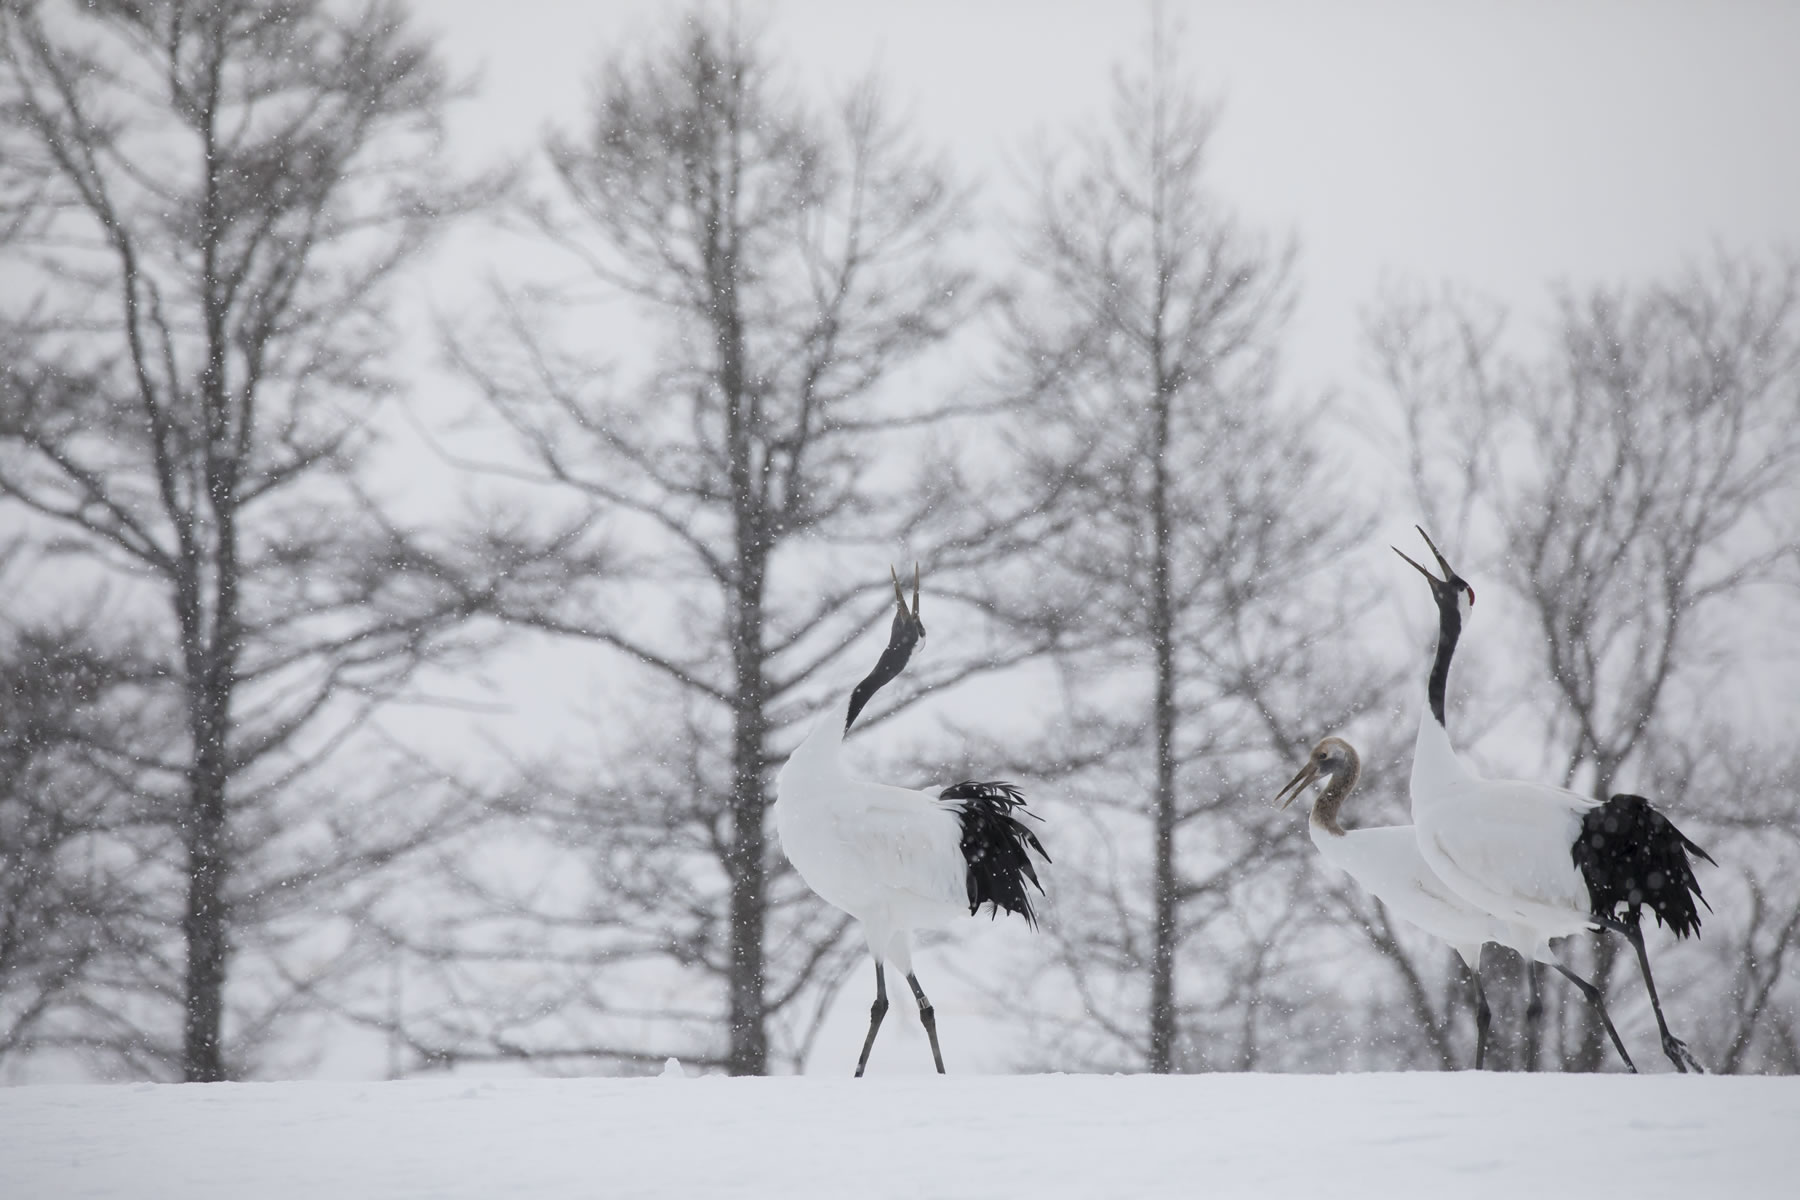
1386 863
899 859
1545 861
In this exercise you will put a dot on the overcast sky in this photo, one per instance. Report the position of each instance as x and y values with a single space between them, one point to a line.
1499 145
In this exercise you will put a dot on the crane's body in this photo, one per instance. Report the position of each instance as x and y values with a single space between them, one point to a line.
889 856
1386 862
899 859
1502 845
1544 861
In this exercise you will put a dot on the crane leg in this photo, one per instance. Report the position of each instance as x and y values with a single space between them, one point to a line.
1673 1046
1591 994
928 1019
877 1011
1484 1017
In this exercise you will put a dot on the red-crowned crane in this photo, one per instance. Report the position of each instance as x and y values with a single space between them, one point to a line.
899 859
1385 862
1545 861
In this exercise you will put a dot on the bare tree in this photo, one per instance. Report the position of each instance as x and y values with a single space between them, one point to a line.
203 202
1637 482
1746 794
1185 552
711 409
73 725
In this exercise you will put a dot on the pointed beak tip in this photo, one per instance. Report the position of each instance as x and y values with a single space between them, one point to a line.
1292 789
1435 552
1414 564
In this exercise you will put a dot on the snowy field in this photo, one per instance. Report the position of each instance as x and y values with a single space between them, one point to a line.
1043 1137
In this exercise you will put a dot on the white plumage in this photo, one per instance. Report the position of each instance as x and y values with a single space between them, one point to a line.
1534 856
899 859
889 856
1503 845
1386 863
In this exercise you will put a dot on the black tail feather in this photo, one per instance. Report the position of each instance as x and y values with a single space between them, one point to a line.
1633 856
996 845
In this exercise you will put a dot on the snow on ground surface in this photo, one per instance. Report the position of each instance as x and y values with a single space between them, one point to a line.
1044 1137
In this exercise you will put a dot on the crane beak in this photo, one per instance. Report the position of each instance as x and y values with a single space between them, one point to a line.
1416 566
1442 561
1448 573
900 593
1297 784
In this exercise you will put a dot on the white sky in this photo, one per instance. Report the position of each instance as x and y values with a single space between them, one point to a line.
1500 145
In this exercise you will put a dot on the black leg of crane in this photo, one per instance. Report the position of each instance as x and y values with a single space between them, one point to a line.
877 1011
1592 995
928 1019
1484 1017
1673 1046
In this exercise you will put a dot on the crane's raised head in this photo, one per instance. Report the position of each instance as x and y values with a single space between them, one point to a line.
904 636
1331 757
908 629
1452 592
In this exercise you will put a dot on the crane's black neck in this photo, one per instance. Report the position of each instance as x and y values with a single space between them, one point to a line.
902 638
1449 629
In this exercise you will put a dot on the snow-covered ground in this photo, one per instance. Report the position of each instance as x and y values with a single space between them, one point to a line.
1044 1137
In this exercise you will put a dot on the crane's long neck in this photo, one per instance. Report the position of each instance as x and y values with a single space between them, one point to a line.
819 753
818 757
1449 630
1324 819
901 640
1437 771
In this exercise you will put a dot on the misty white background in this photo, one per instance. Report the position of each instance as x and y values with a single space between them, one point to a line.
1504 148
1501 148
1501 145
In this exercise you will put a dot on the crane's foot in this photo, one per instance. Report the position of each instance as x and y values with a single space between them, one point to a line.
1681 1056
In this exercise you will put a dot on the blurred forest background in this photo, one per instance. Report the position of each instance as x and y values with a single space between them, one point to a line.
351 723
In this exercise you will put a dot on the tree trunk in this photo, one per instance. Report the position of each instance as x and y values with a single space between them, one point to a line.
1163 933
1531 1027
1507 978
1592 1047
747 858
204 922
203 926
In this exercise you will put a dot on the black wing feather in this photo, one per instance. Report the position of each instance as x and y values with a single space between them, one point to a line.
996 845
1629 854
